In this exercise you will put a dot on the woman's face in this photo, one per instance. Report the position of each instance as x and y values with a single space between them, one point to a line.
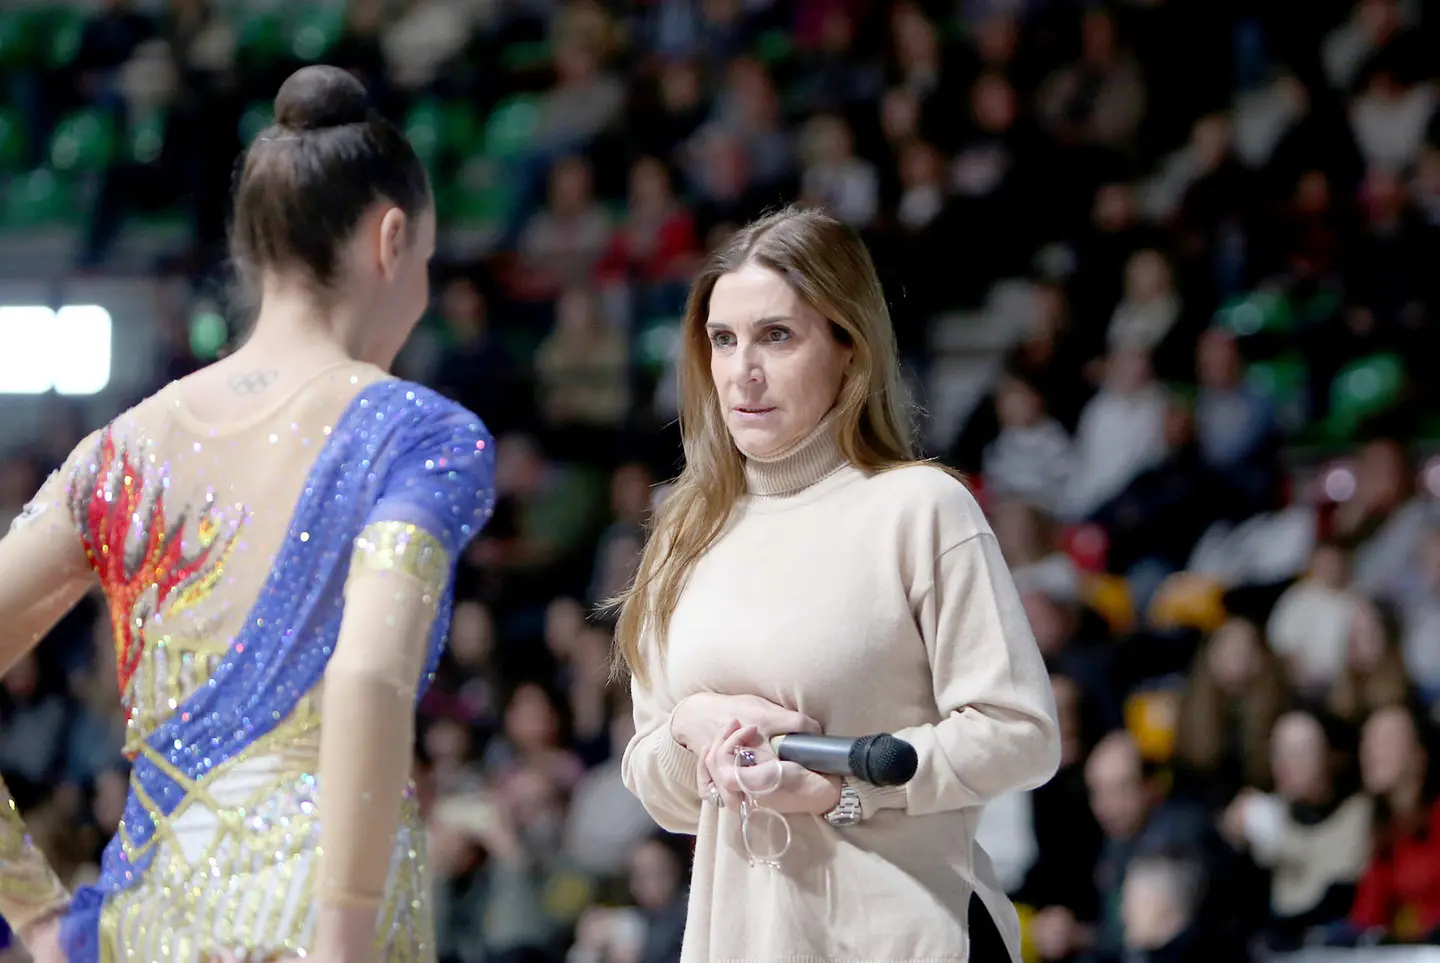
649 185
472 633
564 618
530 721
654 875
1298 757
776 365
1389 751
447 742
1234 655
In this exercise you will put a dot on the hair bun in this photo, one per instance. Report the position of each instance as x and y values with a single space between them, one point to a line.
314 98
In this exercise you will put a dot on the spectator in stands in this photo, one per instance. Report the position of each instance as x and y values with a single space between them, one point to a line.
1420 615
1384 519
1310 626
1312 834
563 243
1235 692
1398 896
1160 906
833 177
1121 433
1067 839
1373 676
1030 458
654 248
582 367
475 368
1235 425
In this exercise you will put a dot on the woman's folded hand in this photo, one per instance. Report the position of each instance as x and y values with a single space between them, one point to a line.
699 719
796 790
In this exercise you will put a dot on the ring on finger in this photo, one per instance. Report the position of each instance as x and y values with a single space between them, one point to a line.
716 799
745 757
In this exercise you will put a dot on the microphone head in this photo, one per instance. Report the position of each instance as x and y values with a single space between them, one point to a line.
883 760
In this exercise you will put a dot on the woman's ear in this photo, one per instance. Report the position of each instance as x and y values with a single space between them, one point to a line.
394 236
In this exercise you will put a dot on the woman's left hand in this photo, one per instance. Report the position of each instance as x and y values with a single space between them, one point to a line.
800 790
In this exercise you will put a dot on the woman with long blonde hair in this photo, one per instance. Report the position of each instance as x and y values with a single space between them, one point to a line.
808 573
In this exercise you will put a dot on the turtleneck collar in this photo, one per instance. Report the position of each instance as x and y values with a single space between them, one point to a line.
815 456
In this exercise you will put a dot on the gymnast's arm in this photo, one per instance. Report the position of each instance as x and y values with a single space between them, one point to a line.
998 730
437 496
397 577
43 573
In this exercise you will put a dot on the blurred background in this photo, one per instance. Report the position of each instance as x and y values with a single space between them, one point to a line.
1165 276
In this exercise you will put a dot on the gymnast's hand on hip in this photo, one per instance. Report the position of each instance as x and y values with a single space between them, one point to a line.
796 790
699 719
41 940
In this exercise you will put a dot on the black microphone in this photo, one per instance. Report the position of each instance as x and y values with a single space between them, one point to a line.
881 760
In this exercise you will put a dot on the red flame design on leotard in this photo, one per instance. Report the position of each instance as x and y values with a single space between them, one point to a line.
145 563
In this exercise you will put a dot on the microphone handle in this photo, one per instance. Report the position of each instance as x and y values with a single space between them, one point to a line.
825 754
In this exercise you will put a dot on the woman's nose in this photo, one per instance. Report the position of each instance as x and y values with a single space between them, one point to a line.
746 367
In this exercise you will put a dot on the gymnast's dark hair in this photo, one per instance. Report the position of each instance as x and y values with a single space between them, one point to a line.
308 179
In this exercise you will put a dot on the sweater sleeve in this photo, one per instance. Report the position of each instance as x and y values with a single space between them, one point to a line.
998 730
661 773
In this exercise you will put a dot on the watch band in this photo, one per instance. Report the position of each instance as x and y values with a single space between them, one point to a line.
847 811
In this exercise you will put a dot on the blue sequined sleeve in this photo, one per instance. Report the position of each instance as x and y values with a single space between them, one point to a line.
443 478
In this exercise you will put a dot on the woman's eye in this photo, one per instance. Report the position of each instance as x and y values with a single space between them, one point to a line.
777 335
722 339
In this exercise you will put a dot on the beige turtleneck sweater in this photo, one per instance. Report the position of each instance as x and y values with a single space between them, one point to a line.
872 603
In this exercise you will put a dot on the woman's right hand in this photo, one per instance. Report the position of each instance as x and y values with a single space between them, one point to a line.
699 720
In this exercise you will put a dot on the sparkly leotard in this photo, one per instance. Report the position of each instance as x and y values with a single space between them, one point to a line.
244 565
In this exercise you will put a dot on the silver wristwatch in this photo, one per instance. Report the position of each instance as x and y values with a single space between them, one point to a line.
847 811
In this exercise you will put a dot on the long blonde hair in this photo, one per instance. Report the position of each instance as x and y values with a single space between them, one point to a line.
827 265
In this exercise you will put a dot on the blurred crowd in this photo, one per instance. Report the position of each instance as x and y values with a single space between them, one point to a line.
1191 249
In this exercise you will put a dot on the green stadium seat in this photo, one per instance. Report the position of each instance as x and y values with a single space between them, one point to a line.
1284 383
146 136
1364 388
1255 313
1319 307
314 29
511 128
261 36
479 194
460 131
64 28
13 139
526 56
656 343
423 127
21 37
256 118
37 198
83 141
774 47
442 131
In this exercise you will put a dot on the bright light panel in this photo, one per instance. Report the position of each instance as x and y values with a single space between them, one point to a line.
82 349
67 351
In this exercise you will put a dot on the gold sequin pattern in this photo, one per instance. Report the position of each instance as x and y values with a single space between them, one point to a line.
253 888
406 548
28 887
250 878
